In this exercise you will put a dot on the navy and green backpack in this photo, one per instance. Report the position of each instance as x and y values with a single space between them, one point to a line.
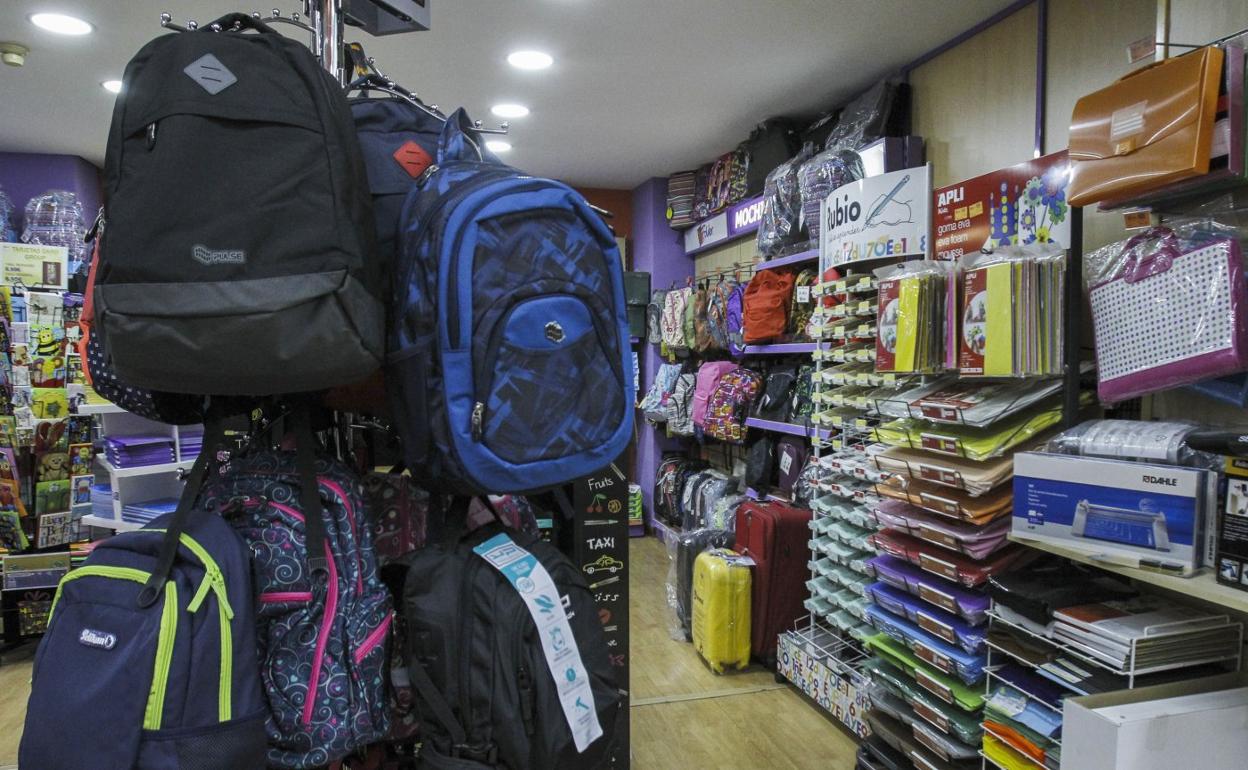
509 367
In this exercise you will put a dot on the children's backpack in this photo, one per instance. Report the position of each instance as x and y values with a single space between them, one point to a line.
152 641
703 192
669 485
714 490
691 497
781 222
398 512
766 306
717 312
775 401
759 462
680 187
673 326
790 459
680 405
701 325
730 404
709 375
802 404
654 405
654 316
321 622
806 488
690 320
803 304
510 368
734 320
231 265
724 513
507 653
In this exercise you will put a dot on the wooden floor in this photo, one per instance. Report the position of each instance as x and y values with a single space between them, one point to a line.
686 717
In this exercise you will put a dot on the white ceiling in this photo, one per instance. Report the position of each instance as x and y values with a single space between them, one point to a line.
639 88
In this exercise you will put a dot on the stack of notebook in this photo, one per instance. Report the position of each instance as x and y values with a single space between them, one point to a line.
190 441
134 451
102 501
1157 632
144 512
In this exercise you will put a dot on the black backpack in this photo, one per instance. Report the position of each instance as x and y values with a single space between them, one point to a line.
771 143
759 464
487 696
239 257
775 402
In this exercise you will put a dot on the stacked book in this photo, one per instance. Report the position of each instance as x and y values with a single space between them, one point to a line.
135 451
190 441
102 501
144 512
1146 633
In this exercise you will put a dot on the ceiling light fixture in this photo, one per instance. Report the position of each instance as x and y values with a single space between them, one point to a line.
530 60
112 86
510 110
496 146
60 23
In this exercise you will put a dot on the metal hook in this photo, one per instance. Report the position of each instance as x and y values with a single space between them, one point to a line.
192 25
166 21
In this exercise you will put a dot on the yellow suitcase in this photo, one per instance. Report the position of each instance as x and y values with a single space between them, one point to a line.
721 609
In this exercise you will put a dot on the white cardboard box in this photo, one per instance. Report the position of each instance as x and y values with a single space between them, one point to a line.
1200 724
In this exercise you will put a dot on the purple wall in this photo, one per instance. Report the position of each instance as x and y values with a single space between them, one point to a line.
25 175
657 250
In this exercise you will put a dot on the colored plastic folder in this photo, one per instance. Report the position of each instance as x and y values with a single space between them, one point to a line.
949 689
935 652
971 606
935 621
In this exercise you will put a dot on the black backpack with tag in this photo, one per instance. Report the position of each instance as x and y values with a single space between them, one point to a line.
478 659
239 257
771 143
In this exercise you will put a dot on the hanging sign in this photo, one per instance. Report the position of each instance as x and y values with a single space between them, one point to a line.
1022 204
880 216
737 220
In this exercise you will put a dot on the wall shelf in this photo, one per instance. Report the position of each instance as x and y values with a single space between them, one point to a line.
809 255
783 348
116 525
786 427
1201 586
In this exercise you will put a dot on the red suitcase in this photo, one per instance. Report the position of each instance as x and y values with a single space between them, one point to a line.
775 536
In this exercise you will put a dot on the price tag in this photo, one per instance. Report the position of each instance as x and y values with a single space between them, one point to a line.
938 567
931 716
937 628
938 443
925 680
865 307
931 535
921 762
864 281
888 379
803 294
946 413
938 598
896 581
839 287
940 504
940 475
942 662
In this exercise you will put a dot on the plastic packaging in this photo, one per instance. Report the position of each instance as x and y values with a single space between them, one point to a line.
782 205
868 116
7 233
55 218
1164 442
1181 289
819 176
682 552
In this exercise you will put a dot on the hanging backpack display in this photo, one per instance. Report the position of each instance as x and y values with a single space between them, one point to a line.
680 406
174 683
654 405
717 312
215 276
734 320
507 654
669 485
802 306
654 316
759 465
709 375
730 404
511 369
767 303
322 619
673 327
790 459
776 399
701 324
802 404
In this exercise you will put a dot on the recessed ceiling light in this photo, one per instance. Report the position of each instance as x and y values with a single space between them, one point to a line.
60 23
530 60
112 86
495 145
510 110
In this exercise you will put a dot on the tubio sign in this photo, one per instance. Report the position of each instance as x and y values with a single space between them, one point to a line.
880 216
1018 205
733 222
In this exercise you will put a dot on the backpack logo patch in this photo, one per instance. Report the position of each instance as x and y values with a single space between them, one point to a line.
213 76
101 640
207 256
413 158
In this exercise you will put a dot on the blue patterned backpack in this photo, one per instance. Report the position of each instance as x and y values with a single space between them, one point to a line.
509 366
321 637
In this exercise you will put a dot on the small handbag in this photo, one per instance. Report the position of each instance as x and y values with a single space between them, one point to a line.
1170 317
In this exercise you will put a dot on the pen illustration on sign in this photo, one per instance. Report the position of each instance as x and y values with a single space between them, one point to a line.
887 210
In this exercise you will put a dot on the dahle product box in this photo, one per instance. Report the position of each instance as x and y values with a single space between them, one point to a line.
1129 513
1232 561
